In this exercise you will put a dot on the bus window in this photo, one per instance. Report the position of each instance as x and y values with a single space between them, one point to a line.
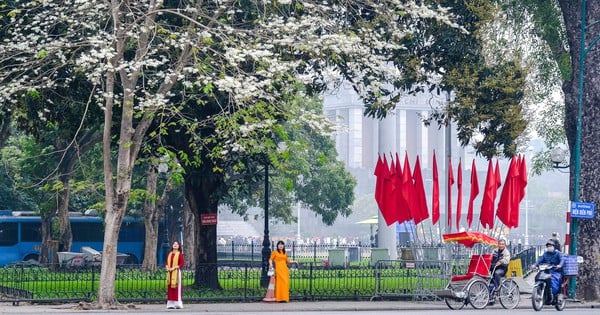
31 232
8 234
132 232
87 231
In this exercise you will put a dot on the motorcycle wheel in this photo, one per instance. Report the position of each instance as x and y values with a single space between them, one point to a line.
537 297
560 303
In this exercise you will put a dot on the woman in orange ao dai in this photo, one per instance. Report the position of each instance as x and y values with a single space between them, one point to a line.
282 272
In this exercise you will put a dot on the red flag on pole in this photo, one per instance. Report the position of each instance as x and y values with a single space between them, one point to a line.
379 173
523 177
498 180
508 205
402 197
388 189
474 193
435 199
449 193
408 191
421 199
394 206
459 196
487 203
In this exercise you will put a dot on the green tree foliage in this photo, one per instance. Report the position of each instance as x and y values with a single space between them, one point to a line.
447 59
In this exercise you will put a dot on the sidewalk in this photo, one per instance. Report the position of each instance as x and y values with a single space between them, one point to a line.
294 306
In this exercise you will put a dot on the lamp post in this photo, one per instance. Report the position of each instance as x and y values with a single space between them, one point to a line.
266 250
163 168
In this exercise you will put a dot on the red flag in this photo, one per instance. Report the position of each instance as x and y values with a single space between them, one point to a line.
403 209
487 203
379 173
388 189
523 177
393 207
508 206
474 193
459 196
421 200
449 196
435 196
408 192
498 180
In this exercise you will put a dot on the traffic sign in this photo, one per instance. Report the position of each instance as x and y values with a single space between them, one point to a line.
582 210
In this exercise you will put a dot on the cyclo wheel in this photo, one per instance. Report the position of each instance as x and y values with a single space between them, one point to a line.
509 294
478 294
537 297
454 303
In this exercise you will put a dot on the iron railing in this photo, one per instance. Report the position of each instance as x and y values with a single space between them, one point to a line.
416 278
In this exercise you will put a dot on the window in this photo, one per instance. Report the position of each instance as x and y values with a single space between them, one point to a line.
31 232
132 232
87 231
8 234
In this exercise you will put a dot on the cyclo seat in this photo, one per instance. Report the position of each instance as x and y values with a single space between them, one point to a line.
478 266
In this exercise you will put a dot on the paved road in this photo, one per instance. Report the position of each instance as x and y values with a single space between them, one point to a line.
330 307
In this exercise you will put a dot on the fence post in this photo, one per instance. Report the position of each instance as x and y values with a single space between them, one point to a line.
314 252
310 281
232 250
93 282
252 249
294 250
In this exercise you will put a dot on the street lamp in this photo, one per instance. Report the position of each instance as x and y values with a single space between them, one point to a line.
558 156
266 250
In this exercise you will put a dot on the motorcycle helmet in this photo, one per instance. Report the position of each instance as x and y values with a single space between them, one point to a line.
550 242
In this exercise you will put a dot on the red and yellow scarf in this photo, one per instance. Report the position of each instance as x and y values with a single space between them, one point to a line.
173 276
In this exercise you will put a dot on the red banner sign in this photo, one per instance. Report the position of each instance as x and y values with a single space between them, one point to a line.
208 219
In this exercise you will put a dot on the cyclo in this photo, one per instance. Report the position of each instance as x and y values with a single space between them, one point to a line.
473 287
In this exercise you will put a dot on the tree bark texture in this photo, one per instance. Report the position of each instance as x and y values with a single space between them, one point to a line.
589 229
189 233
151 219
199 192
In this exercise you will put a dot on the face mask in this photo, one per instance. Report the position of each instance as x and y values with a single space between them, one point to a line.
550 249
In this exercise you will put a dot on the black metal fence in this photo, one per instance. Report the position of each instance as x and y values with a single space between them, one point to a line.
240 281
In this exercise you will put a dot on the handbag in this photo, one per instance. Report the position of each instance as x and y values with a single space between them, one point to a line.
271 272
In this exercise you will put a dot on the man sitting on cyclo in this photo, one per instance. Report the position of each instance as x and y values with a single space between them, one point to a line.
500 260
555 258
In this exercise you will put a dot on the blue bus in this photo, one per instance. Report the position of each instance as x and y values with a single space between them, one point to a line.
21 240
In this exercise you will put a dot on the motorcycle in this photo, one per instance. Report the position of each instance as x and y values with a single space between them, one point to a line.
542 291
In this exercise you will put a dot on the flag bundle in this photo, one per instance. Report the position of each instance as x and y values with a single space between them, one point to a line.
400 192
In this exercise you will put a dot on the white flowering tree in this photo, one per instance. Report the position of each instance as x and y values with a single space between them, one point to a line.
142 57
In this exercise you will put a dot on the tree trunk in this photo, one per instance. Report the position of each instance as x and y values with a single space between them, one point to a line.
589 229
65 236
46 231
106 289
151 219
189 233
68 155
199 192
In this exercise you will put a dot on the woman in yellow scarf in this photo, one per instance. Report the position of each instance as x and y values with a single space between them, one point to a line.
174 265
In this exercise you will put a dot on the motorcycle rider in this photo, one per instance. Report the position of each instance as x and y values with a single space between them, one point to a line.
500 260
555 258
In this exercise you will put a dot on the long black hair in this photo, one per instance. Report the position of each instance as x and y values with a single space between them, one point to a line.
277 246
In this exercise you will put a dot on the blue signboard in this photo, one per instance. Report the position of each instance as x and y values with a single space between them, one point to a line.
582 210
